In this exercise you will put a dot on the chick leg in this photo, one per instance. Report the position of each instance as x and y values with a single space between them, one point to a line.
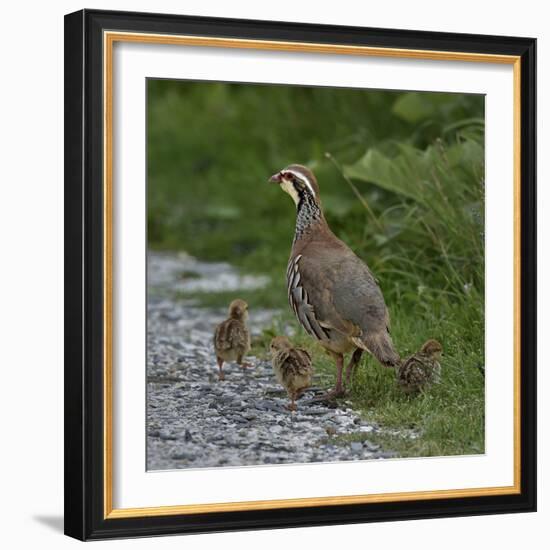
352 365
338 390
221 375
300 392
292 405
243 364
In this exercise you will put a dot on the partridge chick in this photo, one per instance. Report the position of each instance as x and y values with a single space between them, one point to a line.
332 292
422 369
292 368
232 338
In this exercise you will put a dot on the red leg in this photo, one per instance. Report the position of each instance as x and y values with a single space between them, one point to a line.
221 375
243 364
352 365
292 406
338 391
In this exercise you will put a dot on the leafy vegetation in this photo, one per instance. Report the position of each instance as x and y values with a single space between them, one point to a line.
402 182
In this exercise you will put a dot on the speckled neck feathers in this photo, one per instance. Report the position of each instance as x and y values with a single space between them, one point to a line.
308 215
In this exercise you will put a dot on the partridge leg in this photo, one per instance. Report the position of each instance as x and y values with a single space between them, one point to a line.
243 364
352 365
338 391
292 406
221 375
299 393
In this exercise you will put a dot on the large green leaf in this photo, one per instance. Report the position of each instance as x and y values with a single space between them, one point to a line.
404 174
414 107
415 173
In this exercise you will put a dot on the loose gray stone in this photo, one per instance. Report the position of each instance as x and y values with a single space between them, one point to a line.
166 435
180 454
371 446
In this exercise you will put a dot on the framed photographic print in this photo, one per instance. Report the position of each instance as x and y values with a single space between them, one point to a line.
300 274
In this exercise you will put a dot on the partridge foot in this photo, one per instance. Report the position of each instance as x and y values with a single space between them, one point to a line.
329 396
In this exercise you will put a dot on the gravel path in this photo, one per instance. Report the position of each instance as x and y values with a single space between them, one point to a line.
195 421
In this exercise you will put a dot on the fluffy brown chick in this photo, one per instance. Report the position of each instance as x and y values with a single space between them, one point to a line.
232 337
422 369
292 367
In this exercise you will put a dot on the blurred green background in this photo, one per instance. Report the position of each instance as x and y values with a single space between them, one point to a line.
402 183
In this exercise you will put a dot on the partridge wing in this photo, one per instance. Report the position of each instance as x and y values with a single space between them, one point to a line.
412 374
319 280
300 302
298 362
357 296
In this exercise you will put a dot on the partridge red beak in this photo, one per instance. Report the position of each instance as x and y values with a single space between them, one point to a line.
276 178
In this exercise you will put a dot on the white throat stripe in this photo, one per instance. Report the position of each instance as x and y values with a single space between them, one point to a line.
301 177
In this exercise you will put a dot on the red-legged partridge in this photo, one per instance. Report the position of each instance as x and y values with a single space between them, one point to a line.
232 338
334 295
292 367
422 369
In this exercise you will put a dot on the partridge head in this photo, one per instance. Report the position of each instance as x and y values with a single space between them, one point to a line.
238 309
279 343
432 349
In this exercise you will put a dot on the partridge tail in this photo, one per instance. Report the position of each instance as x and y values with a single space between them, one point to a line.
381 346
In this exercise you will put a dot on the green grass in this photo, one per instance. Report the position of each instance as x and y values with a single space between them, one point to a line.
402 185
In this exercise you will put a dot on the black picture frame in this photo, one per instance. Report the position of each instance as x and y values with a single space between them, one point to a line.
84 290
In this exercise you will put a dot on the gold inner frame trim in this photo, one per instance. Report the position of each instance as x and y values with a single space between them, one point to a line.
109 39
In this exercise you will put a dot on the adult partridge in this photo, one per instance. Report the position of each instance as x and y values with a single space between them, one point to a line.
422 369
292 367
232 337
333 293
